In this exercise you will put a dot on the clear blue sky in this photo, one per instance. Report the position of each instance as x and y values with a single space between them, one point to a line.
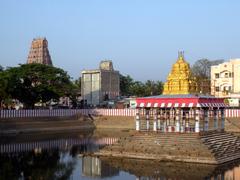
141 37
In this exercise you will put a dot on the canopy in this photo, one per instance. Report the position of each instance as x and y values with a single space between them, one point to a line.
169 101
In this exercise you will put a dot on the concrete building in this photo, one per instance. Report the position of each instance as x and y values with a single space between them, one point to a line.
39 52
225 81
100 85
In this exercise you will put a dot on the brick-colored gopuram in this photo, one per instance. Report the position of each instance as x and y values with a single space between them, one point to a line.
179 125
39 52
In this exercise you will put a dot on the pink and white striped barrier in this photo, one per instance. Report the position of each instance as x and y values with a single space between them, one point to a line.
232 113
65 112
72 112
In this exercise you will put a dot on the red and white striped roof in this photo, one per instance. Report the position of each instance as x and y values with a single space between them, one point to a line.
170 101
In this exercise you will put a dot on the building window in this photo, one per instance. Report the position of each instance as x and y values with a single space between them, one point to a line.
226 75
217 88
229 88
216 75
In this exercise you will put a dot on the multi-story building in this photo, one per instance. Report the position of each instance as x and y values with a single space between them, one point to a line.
100 85
39 52
225 80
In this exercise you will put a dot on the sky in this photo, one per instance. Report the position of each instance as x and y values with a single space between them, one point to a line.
141 37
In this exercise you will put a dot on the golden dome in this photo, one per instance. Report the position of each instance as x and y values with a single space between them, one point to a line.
180 79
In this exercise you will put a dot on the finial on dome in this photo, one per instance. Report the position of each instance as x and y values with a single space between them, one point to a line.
181 55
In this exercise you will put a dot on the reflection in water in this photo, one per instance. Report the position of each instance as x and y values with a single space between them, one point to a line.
146 170
94 167
59 159
31 165
63 144
47 159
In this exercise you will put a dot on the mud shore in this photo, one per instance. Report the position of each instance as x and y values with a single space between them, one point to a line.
76 123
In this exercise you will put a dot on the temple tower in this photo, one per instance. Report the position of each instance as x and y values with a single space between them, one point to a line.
39 52
180 80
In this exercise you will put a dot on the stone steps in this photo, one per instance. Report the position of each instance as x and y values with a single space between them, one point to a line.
223 145
217 147
156 150
162 144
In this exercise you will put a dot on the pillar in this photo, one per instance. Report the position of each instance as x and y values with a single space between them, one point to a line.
206 119
169 120
197 119
177 125
159 120
222 119
165 121
215 118
182 124
137 122
155 122
187 121
147 119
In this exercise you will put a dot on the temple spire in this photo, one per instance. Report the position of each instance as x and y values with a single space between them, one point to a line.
180 80
39 52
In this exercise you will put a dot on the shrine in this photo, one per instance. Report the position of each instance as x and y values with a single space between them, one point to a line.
181 125
180 108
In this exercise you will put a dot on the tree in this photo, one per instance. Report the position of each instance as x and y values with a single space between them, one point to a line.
137 89
125 83
32 83
159 86
153 88
75 92
201 70
3 88
78 83
129 87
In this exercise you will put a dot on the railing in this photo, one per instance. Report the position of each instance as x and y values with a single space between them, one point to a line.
232 113
73 112
65 112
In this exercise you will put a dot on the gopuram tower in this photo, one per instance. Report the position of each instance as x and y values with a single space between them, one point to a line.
39 52
180 80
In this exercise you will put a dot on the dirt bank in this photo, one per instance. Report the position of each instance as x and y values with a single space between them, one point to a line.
114 122
44 125
79 122
232 125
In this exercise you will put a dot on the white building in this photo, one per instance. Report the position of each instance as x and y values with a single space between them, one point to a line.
225 81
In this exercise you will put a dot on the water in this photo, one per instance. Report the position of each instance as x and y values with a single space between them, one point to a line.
64 157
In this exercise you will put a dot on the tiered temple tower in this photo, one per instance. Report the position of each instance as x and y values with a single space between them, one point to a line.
39 52
180 80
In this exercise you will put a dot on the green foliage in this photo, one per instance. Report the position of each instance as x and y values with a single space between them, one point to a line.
3 87
129 87
77 83
75 92
125 83
32 83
